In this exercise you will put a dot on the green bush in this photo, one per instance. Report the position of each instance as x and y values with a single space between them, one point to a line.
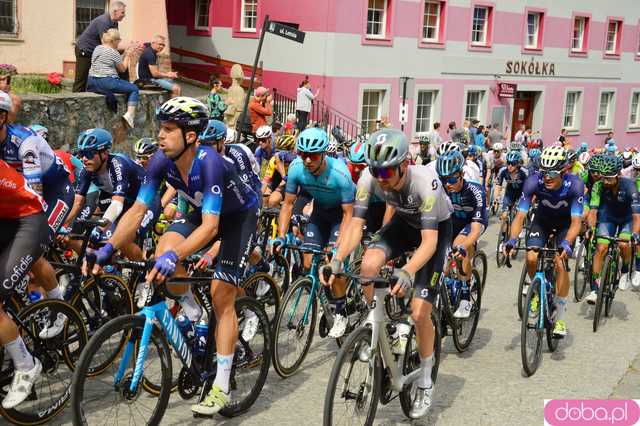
23 84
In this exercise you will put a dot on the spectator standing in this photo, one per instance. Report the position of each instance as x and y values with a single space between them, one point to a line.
304 100
609 135
260 107
455 134
434 136
479 137
6 73
148 68
106 62
495 135
563 136
91 38
520 135
217 105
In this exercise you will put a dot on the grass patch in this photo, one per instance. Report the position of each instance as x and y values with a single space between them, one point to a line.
25 83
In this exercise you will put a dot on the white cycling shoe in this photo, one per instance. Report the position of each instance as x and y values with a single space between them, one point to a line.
464 310
339 326
21 386
250 328
422 402
592 297
52 330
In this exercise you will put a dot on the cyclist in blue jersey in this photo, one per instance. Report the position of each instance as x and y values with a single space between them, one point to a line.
514 176
469 215
534 160
560 198
220 205
329 183
45 173
614 212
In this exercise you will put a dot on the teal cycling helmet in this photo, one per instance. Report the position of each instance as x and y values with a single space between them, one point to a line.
450 163
94 139
386 148
356 153
534 153
313 140
214 131
40 130
514 157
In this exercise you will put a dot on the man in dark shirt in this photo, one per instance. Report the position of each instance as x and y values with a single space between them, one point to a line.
148 68
90 38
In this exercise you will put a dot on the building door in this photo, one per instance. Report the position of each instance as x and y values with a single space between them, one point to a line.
522 111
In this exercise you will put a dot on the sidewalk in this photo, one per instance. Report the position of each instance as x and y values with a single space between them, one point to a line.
629 385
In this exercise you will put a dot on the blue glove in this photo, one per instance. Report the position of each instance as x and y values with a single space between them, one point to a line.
64 230
635 238
166 263
96 235
510 244
279 241
565 246
460 250
101 257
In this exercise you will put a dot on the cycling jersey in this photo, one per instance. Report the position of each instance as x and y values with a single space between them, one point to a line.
616 207
246 165
422 202
122 178
468 206
494 164
272 176
17 199
32 156
331 189
263 157
471 171
213 185
577 169
515 183
558 204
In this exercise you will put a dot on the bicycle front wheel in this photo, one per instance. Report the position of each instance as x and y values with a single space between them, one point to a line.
105 398
480 264
603 291
263 288
465 329
354 385
522 290
532 330
580 273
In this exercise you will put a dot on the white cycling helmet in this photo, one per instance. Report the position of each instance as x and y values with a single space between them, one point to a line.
447 147
5 102
231 135
264 132
332 148
584 158
497 146
635 161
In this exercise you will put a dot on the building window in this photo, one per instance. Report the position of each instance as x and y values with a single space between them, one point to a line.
473 105
87 11
377 18
579 31
634 112
424 110
570 121
534 23
431 21
605 111
371 109
248 15
613 38
202 14
480 25
8 20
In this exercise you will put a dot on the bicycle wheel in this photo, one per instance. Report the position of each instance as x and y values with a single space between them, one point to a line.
603 291
251 360
411 362
263 288
280 272
480 264
100 399
522 290
293 335
500 257
580 273
58 356
613 279
98 302
353 390
531 331
465 329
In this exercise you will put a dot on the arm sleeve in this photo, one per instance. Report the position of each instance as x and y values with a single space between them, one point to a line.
152 179
120 175
363 195
31 162
528 190
213 177
435 204
479 213
577 203
293 177
347 191
83 183
594 199
635 198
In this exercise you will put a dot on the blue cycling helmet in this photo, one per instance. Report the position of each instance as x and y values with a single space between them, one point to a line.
40 130
514 156
94 139
356 153
214 131
472 150
450 163
534 153
313 139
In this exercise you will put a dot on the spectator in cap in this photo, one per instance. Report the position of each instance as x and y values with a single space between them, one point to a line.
260 108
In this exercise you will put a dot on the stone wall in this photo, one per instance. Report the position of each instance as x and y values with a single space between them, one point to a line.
68 114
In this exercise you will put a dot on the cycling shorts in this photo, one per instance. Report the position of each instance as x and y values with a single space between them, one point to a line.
542 227
398 237
23 241
323 228
59 201
612 229
464 228
509 200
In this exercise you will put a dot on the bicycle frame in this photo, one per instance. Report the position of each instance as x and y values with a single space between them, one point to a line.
540 274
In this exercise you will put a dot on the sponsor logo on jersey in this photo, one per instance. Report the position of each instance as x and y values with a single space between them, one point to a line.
57 215
29 157
428 203
362 194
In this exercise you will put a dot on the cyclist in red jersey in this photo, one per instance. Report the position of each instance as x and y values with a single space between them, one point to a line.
23 240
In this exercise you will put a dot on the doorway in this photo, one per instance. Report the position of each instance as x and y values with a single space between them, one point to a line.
522 111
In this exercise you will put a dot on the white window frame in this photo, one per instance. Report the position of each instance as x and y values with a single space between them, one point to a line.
536 34
634 125
383 110
197 15
383 23
482 105
75 15
485 28
614 49
243 10
573 129
611 107
425 25
583 20
436 106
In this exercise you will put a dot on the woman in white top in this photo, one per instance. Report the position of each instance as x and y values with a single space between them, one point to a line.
303 103
106 63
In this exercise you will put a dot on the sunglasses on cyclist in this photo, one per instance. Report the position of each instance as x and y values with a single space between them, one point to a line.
382 172
87 153
552 174
450 180
513 163
313 156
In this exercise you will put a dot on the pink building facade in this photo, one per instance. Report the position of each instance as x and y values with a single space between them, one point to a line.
574 64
